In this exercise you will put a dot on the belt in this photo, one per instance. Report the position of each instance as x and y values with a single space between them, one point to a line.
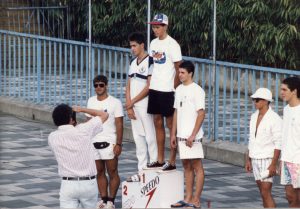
78 178
184 139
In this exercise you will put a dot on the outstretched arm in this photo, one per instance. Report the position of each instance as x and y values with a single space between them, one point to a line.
103 115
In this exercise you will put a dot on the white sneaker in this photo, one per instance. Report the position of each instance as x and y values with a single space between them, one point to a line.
100 204
109 204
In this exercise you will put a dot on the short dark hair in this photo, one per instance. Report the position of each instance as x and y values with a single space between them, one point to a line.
293 83
137 37
62 114
189 66
100 78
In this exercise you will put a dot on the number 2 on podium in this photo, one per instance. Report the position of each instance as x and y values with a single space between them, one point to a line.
125 190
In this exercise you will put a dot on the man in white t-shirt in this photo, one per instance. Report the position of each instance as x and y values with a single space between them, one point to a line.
187 133
166 54
71 145
137 89
108 143
264 144
290 152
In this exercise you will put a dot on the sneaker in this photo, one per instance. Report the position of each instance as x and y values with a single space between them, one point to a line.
100 204
168 167
154 165
134 178
109 204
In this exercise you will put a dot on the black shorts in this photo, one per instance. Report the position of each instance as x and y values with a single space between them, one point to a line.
161 103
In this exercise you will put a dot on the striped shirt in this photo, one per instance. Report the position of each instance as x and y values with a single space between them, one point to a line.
72 147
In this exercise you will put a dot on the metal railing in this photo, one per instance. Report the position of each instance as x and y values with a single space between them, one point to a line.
47 70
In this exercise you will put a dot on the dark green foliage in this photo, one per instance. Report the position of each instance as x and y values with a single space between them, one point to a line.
260 32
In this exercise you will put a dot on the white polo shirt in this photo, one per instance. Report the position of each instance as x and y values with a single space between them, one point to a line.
138 74
72 147
268 136
164 52
291 134
188 100
113 107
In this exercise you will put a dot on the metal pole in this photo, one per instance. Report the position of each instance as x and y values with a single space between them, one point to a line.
90 48
148 25
214 70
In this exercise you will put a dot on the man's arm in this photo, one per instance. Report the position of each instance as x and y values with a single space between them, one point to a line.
277 139
198 124
272 167
174 130
248 165
130 111
103 115
127 93
141 95
176 79
119 130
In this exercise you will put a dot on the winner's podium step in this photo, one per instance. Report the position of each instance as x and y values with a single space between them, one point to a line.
154 190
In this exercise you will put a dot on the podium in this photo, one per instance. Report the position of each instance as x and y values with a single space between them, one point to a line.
154 190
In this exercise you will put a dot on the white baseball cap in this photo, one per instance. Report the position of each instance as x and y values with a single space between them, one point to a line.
263 93
159 19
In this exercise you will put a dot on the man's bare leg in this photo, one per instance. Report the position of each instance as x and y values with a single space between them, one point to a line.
160 137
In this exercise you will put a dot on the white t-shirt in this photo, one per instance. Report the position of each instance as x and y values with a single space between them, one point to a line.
290 151
164 52
138 74
268 135
188 100
113 107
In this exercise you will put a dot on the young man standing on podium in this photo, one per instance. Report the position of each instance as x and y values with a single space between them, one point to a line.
187 133
166 54
137 89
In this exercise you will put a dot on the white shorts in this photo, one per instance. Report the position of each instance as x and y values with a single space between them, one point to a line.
261 165
105 153
194 152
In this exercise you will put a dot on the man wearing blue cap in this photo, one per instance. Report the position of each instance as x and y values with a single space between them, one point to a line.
167 57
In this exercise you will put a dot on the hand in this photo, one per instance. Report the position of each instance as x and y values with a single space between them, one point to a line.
272 170
189 141
248 166
131 114
76 108
117 150
173 142
129 105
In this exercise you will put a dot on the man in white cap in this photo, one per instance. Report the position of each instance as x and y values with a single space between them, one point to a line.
166 54
264 144
290 157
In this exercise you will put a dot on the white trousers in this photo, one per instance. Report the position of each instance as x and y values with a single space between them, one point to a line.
144 136
77 194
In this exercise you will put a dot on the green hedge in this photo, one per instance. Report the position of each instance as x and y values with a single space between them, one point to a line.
259 32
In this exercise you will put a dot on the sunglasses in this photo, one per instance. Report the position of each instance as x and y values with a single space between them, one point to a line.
101 85
256 100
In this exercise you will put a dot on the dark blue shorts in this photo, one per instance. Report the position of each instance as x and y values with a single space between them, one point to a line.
161 103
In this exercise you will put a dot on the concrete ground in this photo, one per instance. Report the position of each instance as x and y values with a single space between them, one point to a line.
29 179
